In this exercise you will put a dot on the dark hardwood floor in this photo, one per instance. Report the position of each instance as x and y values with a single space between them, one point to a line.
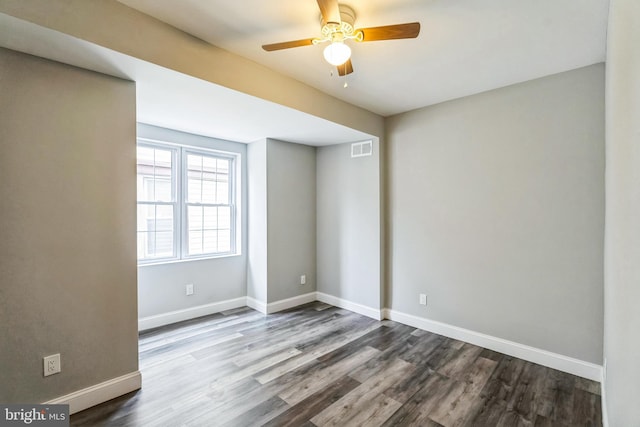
325 366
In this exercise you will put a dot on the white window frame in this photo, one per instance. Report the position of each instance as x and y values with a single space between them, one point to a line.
184 204
179 191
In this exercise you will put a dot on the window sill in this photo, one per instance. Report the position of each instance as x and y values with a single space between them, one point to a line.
180 261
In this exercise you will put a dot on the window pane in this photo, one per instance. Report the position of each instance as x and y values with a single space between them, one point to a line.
210 241
162 189
143 248
210 220
223 166
222 193
145 155
208 189
224 217
209 229
208 179
164 218
224 241
208 164
145 213
194 178
194 190
194 163
155 174
194 217
155 245
155 231
195 242
222 190
163 158
164 244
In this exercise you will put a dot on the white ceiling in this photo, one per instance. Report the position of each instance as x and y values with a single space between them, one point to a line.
465 46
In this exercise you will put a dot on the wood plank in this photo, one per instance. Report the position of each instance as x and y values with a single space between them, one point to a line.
497 392
524 400
359 403
460 400
586 408
588 385
558 395
373 339
318 380
378 408
456 366
415 411
314 404
329 346
243 399
543 422
408 386
258 366
424 348
437 358
259 414
490 354
383 361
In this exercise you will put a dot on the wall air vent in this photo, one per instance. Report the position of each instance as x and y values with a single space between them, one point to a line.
361 149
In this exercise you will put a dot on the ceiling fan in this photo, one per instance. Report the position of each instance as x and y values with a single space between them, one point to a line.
338 26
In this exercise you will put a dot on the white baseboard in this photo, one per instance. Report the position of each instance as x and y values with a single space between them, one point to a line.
603 395
374 313
99 393
284 304
189 313
257 305
603 402
542 357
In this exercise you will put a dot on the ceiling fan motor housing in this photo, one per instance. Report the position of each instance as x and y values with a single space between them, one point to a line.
335 31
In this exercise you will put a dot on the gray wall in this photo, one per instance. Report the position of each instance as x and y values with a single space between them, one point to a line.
282 218
161 287
67 227
257 192
291 220
349 224
496 212
622 242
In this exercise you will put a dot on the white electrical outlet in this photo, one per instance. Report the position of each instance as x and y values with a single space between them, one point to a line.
423 299
303 279
188 289
51 364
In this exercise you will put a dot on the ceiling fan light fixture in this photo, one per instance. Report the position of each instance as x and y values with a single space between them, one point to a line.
337 53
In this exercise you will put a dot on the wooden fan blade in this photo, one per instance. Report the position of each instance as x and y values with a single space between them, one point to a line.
390 32
287 45
346 68
329 10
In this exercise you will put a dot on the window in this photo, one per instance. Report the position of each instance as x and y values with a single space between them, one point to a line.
185 203
208 204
